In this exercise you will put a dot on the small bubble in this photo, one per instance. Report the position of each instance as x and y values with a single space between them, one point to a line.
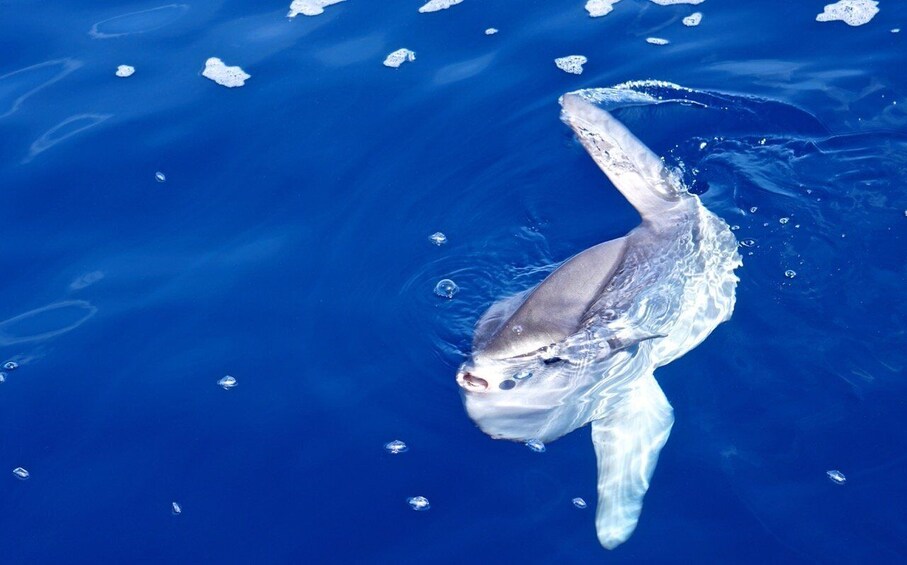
418 503
446 288
735 227
227 382
837 477
517 329
783 220
702 145
747 242
523 375
536 445
438 238
762 141
797 226
754 209
491 31
579 503
21 473
395 447
10 365
175 508
790 273
160 177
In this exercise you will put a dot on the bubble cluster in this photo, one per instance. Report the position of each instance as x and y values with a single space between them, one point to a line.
418 503
227 382
438 238
224 75
10 365
790 273
446 288
491 31
657 41
572 64
395 447
693 19
536 445
124 71
398 57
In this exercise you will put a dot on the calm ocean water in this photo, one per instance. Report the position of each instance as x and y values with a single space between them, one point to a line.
289 247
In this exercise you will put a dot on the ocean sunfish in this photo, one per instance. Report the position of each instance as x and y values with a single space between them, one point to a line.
583 345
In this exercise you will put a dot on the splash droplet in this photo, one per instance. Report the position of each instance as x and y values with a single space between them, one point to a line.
160 177
754 209
438 238
748 242
227 382
395 447
790 273
175 508
446 288
21 473
837 477
536 445
418 503
10 365
579 503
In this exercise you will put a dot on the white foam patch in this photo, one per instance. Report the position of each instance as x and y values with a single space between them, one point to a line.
851 12
310 7
124 71
693 19
438 5
491 31
231 77
672 2
657 40
572 64
399 57
599 8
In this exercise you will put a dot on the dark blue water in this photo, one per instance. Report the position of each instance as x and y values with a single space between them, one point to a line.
289 248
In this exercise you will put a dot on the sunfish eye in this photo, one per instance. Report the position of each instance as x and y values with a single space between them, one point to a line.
507 385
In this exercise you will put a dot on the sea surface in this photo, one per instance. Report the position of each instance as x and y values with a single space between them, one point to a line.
288 246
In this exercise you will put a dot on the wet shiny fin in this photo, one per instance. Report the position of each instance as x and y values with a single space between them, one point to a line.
627 443
638 174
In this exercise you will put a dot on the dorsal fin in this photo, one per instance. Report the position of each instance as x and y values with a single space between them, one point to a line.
638 174
557 307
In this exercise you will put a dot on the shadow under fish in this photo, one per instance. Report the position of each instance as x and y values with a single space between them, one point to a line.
583 345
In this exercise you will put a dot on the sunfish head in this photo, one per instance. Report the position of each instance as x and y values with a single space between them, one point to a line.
537 396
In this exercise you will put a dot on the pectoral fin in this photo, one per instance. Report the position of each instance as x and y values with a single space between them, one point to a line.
627 443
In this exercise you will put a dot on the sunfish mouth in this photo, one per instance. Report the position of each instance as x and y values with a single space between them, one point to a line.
471 383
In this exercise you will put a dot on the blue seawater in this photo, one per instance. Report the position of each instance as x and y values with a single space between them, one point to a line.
289 247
